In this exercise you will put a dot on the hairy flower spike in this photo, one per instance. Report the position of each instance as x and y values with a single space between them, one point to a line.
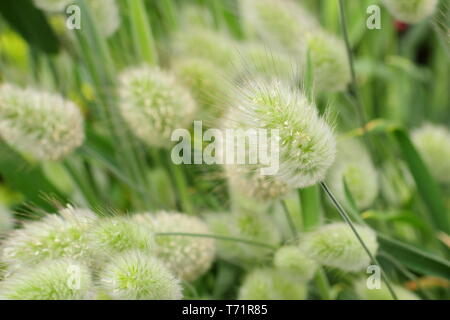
119 234
106 15
6 220
433 143
137 276
188 257
292 259
270 284
306 141
62 279
331 71
383 292
154 104
54 236
39 123
335 245
411 11
247 225
353 164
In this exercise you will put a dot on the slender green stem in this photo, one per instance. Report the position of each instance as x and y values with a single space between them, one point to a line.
289 218
347 219
321 281
311 209
218 237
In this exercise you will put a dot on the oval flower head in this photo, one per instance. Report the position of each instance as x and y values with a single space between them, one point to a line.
41 124
292 146
411 11
188 257
106 16
271 284
354 166
55 236
433 143
154 104
292 259
335 245
62 279
135 275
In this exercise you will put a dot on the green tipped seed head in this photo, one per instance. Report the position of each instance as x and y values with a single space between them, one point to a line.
154 104
433 144
119 234
306 141
38 123
335 245
331 71
247 225
292 259
62 279
52 5
135 275
6 220
270 284
284 22
411 11
106 15
188 257
383 292
354 166
54 236
206 82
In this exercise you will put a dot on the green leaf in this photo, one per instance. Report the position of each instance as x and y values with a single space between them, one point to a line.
414 258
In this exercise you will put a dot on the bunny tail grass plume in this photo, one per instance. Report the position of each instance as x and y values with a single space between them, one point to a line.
119 234
335 245
292 259
135 275
331 71
433 143
270 284
154 104
188 257
38 123
354 166
382 293
106 15
282 22
306 141
6 220
62 279
411 11
52 5
247 225
60 235
206 82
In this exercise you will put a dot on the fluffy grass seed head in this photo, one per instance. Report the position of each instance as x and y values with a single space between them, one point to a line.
248 225
282 22
41 124
52 5
353 164
135 275
433 144
55 236
411 11
331 71
188 257
335 245
154 104
119 234
62 279
306 141
382 293
206 82
106 15
272 284
292 259
6 220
